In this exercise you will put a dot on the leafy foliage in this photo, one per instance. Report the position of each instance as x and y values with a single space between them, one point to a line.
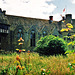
50 45
69 51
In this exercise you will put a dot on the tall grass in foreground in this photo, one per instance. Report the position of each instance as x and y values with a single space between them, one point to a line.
35 64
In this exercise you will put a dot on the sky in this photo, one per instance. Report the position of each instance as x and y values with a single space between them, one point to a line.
40 9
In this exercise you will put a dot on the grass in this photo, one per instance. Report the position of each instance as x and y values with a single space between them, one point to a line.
35 64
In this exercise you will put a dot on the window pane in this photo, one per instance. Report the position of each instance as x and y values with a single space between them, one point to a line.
32 39
21 35
44 34
20 30
18 35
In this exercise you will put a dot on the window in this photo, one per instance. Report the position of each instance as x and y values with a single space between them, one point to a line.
20 30
32 35
39 35
44 33
4 28
19 33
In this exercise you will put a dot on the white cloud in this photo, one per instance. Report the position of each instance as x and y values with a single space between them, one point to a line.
73 1
73 16
57 17
28 8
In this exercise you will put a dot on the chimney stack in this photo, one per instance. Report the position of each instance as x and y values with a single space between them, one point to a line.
68 16
50 19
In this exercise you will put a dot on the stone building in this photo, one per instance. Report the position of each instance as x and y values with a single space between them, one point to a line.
30 29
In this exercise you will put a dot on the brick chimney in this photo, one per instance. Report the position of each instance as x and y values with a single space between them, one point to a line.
50 19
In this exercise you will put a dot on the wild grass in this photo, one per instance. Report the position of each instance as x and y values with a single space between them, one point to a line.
34 64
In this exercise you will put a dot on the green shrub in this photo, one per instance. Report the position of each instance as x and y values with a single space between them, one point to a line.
50 45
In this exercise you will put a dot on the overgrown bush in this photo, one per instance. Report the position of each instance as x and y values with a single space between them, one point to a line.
50 45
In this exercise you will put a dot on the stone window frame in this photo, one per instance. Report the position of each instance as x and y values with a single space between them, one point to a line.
16 31
33 27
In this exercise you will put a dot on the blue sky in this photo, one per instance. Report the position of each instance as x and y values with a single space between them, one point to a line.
41 9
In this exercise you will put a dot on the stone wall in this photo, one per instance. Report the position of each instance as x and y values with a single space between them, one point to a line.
27 25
